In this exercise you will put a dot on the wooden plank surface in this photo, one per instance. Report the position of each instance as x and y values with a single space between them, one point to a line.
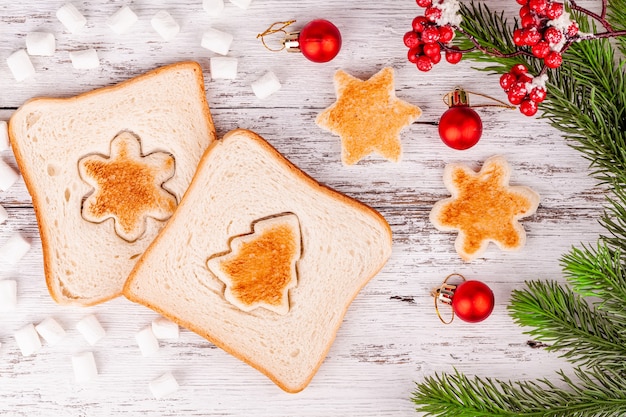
390 336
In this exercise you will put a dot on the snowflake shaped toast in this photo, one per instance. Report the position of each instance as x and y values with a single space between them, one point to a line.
260 269
368 116
484 208
128 187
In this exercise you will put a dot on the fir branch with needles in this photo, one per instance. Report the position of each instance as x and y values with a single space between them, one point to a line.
585 320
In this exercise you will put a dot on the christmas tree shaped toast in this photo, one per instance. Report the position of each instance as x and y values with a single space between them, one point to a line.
260 269
261 260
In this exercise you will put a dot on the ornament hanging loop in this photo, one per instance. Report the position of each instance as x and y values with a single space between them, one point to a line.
277 27
460 97
444 295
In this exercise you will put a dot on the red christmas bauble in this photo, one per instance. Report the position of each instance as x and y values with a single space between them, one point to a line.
472 301
460 127
319 40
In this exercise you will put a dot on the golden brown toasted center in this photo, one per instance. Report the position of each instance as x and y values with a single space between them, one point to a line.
128 186
262 267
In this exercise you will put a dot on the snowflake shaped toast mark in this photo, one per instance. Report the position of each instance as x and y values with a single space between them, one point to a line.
368 116
128 186
261 268
484 208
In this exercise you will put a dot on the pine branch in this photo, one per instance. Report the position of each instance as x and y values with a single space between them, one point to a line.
595 393
616 15
598 272
614 218
582 334
491 30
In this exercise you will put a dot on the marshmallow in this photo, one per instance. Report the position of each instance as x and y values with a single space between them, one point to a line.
14 249
28 340
165 25
91 329
4 135
223 68
265 86
84 365
71 18
8 176
243 4
3 215
122 20
40 43
148 344
163 386
20 65
162 328
217 41
8 295
51 331
213 7
85 59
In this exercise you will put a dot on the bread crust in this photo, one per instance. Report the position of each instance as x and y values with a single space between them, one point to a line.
54 290
128 293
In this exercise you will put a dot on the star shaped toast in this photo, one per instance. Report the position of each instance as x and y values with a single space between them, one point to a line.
483 208
127 186
368 116
261 267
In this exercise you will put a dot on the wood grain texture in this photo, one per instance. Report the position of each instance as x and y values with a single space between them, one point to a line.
390 336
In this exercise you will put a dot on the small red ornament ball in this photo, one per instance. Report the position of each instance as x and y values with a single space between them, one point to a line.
473 301
460 127
319 40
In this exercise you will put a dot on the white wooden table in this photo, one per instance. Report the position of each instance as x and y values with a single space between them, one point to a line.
391 335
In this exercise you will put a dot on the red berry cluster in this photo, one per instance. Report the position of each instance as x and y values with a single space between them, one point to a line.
536 33
518 85
427 39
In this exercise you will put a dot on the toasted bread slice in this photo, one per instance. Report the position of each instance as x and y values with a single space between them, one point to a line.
240 180
484 208
105 170
368 116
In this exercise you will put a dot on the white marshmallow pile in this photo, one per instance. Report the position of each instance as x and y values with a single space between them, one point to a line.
163 386
51 331
28 340
71 18
85 59
8 295
122 20
91 329
266 85
164 329
223 68
40 43
165 25
243 4
14 249
20 65
85 369
217 41
147 342
213 7
8 176
4 135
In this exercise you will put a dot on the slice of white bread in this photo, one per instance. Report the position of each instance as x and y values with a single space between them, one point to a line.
85 260
240 180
